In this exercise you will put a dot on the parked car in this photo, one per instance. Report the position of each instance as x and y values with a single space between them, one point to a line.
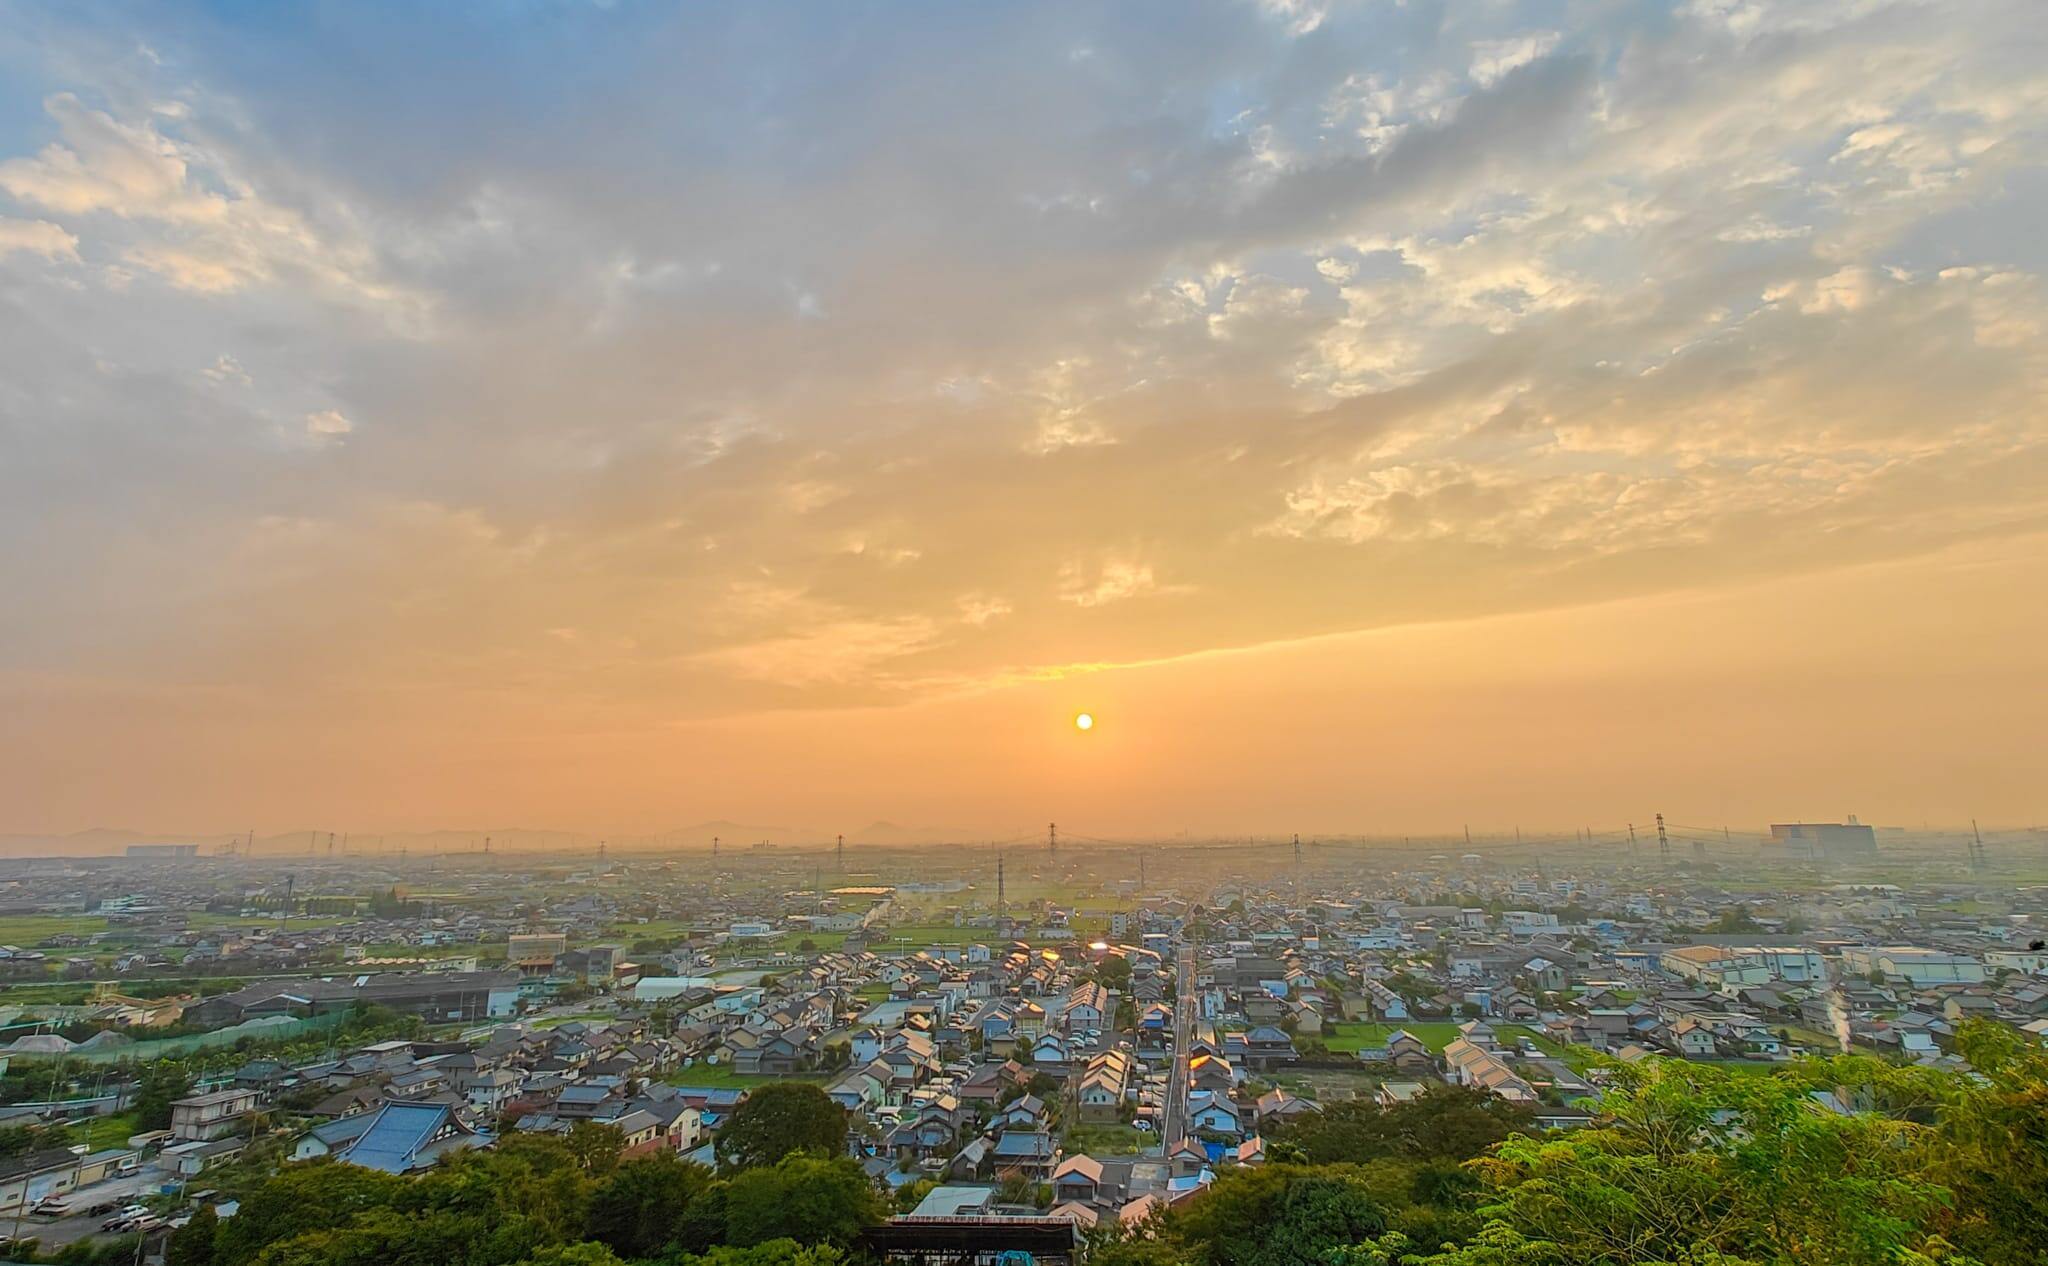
122 1218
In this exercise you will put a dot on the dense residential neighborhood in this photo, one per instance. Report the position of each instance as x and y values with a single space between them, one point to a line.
1097 1055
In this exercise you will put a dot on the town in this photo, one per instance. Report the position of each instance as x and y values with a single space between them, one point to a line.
1030 1044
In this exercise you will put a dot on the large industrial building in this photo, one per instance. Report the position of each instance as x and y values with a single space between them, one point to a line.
1849 841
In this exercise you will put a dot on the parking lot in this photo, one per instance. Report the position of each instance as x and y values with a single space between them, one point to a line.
56 1233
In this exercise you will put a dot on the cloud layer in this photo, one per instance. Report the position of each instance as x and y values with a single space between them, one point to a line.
677 365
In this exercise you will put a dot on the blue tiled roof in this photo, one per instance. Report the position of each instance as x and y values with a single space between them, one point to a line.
395 1137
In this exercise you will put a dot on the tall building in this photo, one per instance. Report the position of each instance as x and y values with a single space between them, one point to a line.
1849 841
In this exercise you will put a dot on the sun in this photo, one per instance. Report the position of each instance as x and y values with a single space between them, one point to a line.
1085 721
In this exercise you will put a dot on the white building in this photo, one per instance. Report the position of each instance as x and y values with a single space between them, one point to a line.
1914 966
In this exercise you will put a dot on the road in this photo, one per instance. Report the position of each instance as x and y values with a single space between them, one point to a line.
56 1233
1184 1008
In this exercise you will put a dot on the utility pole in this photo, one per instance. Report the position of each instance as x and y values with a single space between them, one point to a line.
1663 842
842 854
1977 861
1141 871
1632 841
1052 839
714 846
1002 911
1297 849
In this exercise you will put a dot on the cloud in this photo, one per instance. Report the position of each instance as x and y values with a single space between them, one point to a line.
192 217
826 362
36 237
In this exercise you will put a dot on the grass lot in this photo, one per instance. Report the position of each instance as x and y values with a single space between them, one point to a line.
69 993
101 1133
1108 1140
401 949
583 1017
652 930
921 935
1350 1038
1435 1034
722 1077
27 929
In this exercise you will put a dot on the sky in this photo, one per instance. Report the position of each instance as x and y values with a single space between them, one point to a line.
1382 416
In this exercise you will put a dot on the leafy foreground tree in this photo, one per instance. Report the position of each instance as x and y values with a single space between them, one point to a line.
1840 1162
1845 1162
642 1207
778 1119
1453 1122
540 1200
1709 1168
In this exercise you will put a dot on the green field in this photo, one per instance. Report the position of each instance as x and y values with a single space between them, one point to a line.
26 929
580 1017
922 935
101 1133
1108 1140
1435 1034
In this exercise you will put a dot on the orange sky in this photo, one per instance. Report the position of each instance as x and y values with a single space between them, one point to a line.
1779 700
611 418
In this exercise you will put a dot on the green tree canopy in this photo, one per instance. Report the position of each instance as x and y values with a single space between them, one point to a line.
639 1208
808 1199
780 1118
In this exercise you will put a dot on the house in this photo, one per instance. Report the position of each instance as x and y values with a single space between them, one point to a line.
1468 1065
1408 1053
1028 1153
1266 1045
403 1138
587 1102
1278 1105
330 1137
1692 1038
1104 1085
1214 1114
1078 1179
489 1092
641 1133
205 1117
1026 1112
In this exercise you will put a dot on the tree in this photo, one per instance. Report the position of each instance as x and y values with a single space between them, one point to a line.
1692 1161
1999 1134
778 1119
638 1210
1443 1123
1114 972
1279 1215
193 1243
303 1199
596 1147
804 1198
574 1255
162 1084
772 1253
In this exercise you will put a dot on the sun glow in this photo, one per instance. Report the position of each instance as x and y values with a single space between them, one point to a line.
1085 721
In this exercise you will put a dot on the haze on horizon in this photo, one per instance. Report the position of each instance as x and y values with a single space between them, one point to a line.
1379 416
